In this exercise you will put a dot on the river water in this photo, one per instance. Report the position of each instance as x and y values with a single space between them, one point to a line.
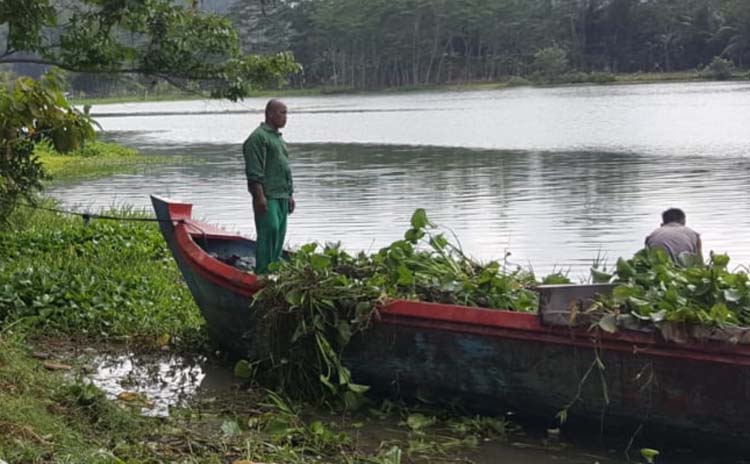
553 176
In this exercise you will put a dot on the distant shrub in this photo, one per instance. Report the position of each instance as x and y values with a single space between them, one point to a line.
719 68
580 77
577 77
517 81
601 77
92 149
551 63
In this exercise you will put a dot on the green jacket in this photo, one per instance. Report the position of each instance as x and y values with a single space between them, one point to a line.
267 162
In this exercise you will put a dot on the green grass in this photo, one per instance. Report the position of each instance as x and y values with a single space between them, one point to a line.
133 98
49 417
678 76
46 419
97 159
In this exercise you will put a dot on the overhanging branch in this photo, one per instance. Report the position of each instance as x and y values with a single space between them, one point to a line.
196 75
41 61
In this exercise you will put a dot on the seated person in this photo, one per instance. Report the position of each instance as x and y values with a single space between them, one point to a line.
682 244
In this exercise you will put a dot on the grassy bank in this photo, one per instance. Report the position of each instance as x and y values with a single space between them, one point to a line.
50 415
133 98
513 81
45 418
96 159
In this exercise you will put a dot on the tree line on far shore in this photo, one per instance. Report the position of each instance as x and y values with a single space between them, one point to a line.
374 44
392 43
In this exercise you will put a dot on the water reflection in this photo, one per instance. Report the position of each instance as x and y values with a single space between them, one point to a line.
158 383
551 210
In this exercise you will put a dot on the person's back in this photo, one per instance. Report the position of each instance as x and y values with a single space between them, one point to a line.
675 237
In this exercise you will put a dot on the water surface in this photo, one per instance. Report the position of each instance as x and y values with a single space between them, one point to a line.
554 176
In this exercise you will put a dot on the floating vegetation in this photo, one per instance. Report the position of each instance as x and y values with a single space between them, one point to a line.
102 279
653 290
315 302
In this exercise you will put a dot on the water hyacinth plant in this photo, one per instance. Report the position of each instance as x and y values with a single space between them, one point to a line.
653 289
315 302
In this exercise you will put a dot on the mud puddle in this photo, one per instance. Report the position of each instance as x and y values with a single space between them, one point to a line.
162 383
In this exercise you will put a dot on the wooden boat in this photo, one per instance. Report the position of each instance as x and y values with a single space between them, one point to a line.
494 360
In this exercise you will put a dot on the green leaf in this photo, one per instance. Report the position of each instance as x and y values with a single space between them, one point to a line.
608 323
318 428
659 316
325 381
720 313
625 270
405 276
599 277
392 456
732 295
357 388
556 278
243 369
230 428
308 248
345 377
649 454
419 219
439 242
623 292
294 297
344 331
719 260
413 235
642 306
320 262
419 421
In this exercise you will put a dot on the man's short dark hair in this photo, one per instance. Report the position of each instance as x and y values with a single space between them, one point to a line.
270 105
673 215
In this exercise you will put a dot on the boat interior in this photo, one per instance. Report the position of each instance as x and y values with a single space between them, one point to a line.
235 251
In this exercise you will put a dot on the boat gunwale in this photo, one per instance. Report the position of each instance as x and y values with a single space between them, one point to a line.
186 230
526 327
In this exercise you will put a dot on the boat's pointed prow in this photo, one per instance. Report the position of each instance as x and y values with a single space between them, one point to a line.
167 209
169 213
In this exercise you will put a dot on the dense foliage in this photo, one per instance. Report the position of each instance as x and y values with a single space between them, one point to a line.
101 279
381 43
30 112
165 39
316 301
655 290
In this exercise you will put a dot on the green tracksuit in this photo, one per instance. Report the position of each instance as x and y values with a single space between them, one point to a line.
267 163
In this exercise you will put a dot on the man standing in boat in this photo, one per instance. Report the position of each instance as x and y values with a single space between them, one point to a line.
681 243
269 181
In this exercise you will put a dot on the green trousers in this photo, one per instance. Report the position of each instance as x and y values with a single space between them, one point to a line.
271 231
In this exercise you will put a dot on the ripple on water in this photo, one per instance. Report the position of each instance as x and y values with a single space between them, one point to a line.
552 210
